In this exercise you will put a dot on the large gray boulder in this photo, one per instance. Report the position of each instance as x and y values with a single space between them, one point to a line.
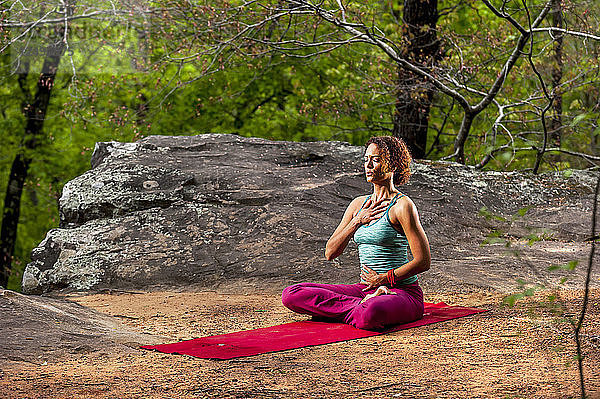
226 211
39 330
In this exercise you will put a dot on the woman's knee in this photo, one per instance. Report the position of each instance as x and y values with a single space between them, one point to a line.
376 315
289 296
370 316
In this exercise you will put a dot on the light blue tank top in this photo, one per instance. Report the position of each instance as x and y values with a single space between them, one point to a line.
381 247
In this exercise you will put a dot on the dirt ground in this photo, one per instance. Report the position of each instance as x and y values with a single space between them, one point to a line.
526 351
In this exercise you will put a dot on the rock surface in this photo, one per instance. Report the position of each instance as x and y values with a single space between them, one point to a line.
232 212
39 330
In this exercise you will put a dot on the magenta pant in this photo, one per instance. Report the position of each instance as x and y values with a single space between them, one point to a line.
341 303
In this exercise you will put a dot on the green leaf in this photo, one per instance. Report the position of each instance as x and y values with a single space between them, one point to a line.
495 237
570 266
521 212
511 300
578 119
575 104
505 156
533 238
483 211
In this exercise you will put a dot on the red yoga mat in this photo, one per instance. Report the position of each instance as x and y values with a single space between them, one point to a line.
297 335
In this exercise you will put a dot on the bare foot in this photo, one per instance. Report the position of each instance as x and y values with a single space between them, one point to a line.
382 290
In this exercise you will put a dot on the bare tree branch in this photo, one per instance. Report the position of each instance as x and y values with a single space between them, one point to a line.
505 16
551 30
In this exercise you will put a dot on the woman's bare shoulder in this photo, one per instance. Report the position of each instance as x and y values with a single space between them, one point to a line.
357 202
404 207
404 200
361 198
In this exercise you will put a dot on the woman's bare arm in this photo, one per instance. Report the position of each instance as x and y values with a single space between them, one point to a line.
405 214
353 218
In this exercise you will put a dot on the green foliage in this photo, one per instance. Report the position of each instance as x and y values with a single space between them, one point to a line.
490 215
167 75
570 266
478 43
525 292
526 289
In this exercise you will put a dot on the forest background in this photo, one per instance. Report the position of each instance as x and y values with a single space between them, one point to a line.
501 85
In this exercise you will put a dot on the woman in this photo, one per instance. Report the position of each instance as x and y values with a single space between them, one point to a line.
384 225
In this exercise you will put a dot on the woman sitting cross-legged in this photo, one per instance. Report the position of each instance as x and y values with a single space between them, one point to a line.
384 224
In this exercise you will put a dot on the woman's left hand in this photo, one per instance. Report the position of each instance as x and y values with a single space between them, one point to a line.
372 278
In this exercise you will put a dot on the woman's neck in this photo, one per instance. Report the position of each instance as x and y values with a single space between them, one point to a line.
384 191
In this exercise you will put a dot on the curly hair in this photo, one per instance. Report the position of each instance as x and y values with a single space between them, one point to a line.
395 155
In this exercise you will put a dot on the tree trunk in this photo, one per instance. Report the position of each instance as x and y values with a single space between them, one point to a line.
35 113
414 94
461 137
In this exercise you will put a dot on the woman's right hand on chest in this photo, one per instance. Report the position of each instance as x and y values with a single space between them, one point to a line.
370 211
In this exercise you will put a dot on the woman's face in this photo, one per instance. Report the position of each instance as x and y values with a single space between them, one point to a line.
376 165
